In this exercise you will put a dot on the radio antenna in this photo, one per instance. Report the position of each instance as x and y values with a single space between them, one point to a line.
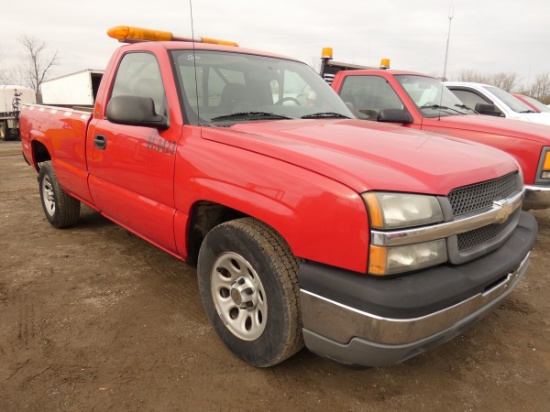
194 61
451 15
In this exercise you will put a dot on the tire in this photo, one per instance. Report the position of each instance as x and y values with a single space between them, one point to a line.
61 209
14 134
248 281
3 131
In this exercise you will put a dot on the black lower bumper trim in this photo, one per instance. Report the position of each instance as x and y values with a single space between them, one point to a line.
424 292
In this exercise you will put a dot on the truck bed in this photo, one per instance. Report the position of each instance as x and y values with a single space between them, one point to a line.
65 130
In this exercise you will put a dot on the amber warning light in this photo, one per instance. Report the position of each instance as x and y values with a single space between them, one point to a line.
129 34
326 53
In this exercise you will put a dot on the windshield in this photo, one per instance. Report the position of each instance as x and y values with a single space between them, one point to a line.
509 100
222 88
534 102
431 97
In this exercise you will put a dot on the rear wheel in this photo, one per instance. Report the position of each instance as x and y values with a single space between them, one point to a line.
61 209
3 131
249 287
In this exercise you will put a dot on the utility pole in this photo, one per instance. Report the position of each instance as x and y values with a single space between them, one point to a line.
451 15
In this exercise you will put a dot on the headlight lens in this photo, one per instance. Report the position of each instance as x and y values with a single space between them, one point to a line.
399 210
394 211
391 260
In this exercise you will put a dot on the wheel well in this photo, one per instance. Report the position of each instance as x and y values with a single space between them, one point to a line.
205 216
40 153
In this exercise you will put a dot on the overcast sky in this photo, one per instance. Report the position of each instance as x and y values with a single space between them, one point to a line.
487 36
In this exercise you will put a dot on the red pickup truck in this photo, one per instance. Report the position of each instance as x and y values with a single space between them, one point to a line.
367 243
419 101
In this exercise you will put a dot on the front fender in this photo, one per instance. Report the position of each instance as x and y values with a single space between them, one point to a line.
321 220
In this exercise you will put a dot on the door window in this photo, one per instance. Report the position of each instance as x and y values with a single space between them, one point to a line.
367 95
139 75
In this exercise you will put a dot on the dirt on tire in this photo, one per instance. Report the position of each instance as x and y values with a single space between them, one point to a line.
93 318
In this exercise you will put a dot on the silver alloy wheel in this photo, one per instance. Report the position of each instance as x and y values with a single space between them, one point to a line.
48 195
239 296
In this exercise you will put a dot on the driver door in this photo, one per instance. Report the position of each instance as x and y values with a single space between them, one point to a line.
132 167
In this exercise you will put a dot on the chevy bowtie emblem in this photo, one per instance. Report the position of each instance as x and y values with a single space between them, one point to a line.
506 209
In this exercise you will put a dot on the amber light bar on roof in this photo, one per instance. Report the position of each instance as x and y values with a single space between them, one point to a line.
129 34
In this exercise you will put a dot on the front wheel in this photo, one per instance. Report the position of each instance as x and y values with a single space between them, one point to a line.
248 283
61 209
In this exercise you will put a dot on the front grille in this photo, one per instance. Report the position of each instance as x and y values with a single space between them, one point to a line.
476 199
473 238
480 196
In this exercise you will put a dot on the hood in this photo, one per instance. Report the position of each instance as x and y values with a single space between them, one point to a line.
369 155
542 118
519 129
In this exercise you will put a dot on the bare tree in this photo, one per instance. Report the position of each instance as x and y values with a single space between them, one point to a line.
4 75
505 81
36 63
540 89
7 76
472 76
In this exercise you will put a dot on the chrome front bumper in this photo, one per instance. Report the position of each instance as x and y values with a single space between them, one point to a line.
536 197
365 320
353 337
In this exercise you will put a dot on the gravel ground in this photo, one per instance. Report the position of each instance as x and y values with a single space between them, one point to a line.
95 319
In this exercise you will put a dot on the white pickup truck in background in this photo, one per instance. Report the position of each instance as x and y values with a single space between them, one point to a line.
491 100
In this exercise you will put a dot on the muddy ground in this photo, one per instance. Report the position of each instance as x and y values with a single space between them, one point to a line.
93 318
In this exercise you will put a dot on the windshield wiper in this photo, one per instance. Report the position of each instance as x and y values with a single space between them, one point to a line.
250 116
463 106
438 107
325 115
528 111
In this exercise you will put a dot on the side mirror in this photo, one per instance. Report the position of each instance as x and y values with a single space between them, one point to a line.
394 116
135 111
487 108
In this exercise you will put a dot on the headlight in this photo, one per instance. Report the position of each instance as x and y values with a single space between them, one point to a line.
394 211
545 172
520 175
399 210
391 260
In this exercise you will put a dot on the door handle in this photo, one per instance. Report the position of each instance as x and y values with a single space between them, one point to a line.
100 142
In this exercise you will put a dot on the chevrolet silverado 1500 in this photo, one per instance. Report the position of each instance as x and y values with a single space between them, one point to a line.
367 243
